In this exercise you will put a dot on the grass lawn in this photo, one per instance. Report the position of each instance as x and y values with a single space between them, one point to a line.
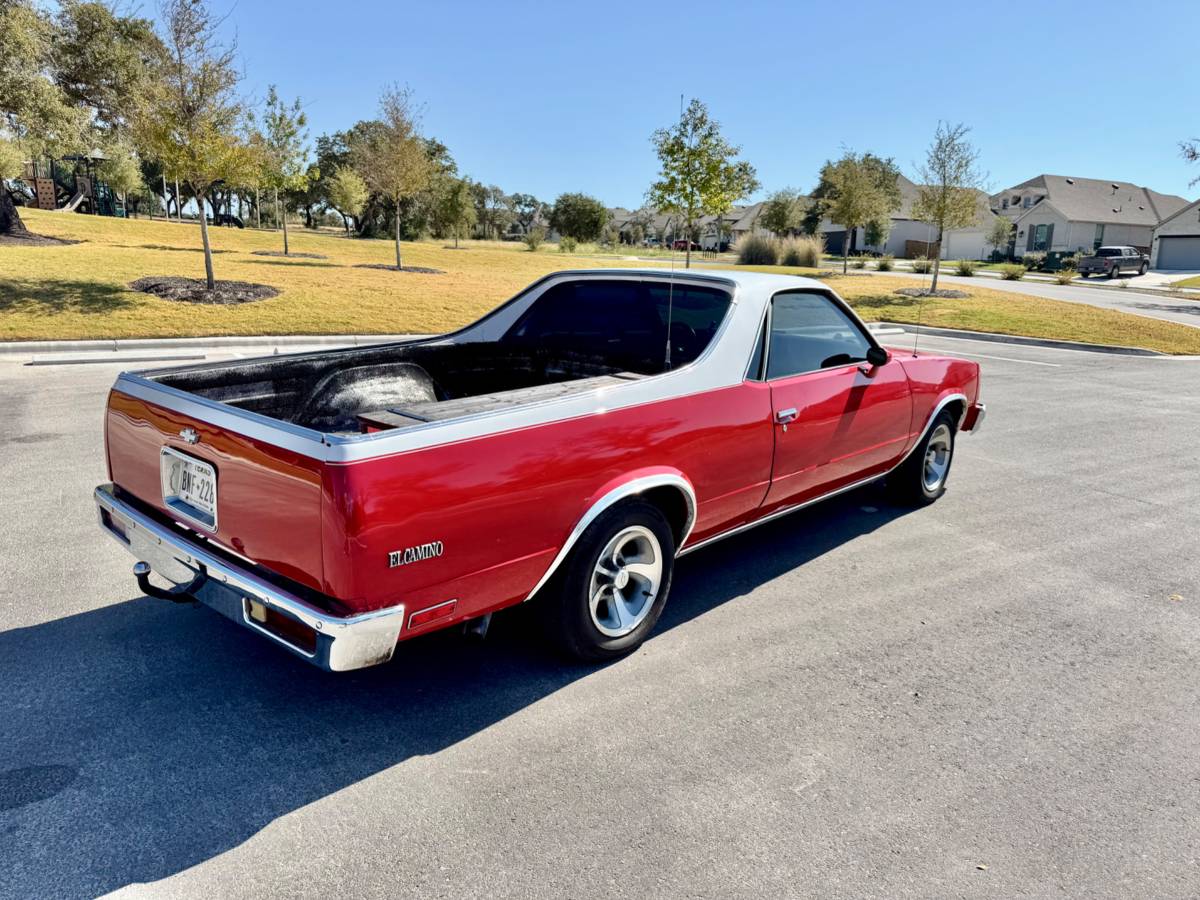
78 290
1193 282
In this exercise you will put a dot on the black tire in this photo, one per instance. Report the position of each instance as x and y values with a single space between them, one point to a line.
1145 267
909 483
1084 274
1115 271
568 617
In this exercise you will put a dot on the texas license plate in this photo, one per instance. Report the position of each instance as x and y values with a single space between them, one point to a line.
189 486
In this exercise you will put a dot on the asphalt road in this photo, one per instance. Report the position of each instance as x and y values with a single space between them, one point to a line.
995 696
1130 300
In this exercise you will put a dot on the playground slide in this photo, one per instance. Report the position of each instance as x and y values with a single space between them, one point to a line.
74 202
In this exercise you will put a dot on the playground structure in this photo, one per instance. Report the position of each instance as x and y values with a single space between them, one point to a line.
74 187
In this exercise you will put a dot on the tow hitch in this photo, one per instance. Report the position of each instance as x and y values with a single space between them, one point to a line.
178 594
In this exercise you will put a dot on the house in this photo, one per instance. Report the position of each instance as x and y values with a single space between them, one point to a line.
1176 242
909 237
1057 213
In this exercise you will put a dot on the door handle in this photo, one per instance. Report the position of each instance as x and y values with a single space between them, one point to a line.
784 416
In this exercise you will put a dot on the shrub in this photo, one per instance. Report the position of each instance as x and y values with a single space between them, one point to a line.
1012 271
1064 275
1070 263
757 250
566 244
921 264
965 267
803 251
1123 284
1034 259
534 237
886 263
859 262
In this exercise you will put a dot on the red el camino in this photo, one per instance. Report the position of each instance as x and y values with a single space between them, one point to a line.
564 449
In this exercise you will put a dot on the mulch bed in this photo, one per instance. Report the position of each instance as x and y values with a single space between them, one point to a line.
191 290
29 239
288 255
921 292
419 270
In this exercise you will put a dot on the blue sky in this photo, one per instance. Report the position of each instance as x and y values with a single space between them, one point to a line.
553 97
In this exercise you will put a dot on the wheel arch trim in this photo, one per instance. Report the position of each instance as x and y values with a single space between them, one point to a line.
943 402
610 495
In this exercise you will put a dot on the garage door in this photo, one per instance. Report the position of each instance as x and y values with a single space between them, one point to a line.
1179 253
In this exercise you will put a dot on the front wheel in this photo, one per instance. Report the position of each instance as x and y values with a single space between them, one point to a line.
921 479
614 584
1143 269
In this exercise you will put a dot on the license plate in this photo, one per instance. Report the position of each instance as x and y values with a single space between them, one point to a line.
189 486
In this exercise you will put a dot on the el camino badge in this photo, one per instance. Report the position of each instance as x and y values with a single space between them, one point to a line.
414 554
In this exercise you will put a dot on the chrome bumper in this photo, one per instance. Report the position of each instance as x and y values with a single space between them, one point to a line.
338 645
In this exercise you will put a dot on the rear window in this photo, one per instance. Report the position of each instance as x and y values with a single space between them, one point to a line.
1110 251
625 321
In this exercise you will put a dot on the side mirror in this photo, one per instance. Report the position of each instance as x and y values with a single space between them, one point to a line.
877 356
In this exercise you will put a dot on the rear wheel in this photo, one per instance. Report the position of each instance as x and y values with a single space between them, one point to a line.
1115 271
1143 269
921 479
614 584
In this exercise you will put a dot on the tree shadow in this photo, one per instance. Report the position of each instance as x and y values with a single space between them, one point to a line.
140 739
167 247
296 262
1193 310
53 295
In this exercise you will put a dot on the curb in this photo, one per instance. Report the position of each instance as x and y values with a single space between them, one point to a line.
117 345
990 337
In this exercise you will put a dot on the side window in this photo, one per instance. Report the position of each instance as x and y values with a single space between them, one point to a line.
809 332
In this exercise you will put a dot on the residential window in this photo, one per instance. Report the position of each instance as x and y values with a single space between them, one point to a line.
1041 237
1027 202
1098 241
1004 203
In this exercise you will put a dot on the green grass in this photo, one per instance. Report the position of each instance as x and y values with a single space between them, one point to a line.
1193 282
79 290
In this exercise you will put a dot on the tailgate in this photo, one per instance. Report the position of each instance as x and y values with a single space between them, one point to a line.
268 499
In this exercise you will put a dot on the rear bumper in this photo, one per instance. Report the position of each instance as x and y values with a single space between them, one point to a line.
330 642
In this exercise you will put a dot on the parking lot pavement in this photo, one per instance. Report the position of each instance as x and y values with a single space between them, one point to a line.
993 696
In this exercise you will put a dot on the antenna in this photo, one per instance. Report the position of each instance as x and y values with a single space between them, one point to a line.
671 279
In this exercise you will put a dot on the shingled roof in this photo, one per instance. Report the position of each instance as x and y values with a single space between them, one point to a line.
1096 200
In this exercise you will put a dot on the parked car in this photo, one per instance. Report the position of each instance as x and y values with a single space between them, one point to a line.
1111 261
562 450
682 244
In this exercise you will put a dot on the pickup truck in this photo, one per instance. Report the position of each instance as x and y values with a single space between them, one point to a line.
1111 261
562 450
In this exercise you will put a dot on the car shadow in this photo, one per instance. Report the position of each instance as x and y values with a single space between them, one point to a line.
140 739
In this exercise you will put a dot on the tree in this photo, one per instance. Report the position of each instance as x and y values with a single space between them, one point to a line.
951 182
525 209
578 216
857 190
122 171
700 174
103 61
999 234
1190 150
454 206
491 208
36 118
875 232
191 117
285 155
390 156
783 212
347 193
885 174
